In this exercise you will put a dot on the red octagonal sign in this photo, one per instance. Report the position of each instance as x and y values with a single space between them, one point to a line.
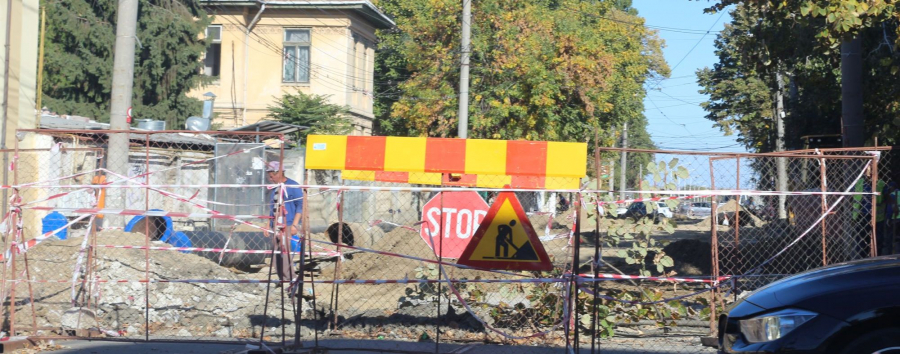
451 218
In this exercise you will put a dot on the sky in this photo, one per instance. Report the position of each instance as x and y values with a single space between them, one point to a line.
676 120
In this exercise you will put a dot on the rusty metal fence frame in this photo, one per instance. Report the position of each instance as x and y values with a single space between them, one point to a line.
579 291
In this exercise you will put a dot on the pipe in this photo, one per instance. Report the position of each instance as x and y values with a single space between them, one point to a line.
6 98
247 31
40 78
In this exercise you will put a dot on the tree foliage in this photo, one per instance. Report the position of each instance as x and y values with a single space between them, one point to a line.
540 70
800 40
79 58
311 111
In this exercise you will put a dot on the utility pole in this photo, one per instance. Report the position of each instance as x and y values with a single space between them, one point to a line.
852 129
122 85
624 162
781 163
465 49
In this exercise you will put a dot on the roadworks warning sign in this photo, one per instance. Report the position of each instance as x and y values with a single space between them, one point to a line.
506 240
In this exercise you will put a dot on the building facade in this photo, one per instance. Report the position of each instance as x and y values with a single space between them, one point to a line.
261 50
21 91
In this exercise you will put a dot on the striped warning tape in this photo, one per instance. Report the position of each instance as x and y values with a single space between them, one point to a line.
188 201
584 289
654 199
25 246
96 211
733 192
258 281
415 258
602 277
216 250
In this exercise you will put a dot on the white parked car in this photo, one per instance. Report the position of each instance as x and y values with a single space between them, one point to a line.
700 210
663 210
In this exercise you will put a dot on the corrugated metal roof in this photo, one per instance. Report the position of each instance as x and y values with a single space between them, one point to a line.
51 123
270 126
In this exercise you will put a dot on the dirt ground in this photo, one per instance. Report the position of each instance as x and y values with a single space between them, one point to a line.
236 310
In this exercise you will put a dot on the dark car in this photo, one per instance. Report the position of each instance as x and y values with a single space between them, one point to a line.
640 210
845 308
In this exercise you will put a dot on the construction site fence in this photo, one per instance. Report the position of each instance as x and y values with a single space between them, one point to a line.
175 242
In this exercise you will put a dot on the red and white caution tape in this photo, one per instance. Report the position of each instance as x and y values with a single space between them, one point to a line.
216 250
654 199
96 211
416 258
376 222
602 277
813 225
644 303
81 253
201 207
734 192
339 281
25 246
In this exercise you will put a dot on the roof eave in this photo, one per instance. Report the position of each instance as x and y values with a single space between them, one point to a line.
372 13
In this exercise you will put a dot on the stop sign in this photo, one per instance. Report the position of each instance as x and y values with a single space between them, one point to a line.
451 218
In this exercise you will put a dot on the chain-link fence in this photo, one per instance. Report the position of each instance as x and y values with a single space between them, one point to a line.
634 266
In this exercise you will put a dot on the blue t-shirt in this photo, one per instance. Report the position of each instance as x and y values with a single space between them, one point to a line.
293 204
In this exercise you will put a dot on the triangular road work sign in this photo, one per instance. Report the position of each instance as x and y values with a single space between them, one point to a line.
506 240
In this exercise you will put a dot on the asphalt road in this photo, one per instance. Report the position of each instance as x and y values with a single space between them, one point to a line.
355 346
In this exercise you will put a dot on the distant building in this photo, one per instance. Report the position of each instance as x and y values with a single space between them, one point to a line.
261 49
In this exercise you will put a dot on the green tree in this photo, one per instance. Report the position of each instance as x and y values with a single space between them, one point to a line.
311 111
540 70
801 43
79 58
800 40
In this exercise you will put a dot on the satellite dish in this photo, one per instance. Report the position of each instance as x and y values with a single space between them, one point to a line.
197 124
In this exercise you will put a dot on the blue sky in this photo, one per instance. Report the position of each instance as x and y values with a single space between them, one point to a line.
676 120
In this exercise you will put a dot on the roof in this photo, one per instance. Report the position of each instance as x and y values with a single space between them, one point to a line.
362 7
269 126
50 123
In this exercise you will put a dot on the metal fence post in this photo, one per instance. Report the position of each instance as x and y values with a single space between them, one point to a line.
715 250
823 184
575 264
874 205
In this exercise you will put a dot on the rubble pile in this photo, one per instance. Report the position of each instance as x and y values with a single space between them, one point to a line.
182 309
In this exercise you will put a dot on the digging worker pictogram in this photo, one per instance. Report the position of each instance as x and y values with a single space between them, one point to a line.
505 239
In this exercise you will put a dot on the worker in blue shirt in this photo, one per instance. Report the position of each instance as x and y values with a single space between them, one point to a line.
292 211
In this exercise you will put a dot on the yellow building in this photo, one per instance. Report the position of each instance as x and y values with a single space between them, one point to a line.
23 23
261 49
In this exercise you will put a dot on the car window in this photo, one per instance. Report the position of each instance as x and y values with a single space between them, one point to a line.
661 205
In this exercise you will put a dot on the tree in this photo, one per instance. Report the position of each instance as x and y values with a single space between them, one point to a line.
311 111
801 40
540 70
79 58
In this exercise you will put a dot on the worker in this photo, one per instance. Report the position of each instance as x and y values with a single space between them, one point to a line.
893 202
99 178
862 213
290 217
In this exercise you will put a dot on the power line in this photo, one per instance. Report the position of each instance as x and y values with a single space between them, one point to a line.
698 42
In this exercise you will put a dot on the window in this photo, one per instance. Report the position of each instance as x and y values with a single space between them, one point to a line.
213 61
296 55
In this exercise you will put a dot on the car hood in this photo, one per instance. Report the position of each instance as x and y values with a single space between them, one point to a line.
857 283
